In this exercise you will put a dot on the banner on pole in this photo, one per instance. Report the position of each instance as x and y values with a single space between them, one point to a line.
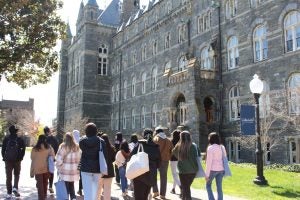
247 119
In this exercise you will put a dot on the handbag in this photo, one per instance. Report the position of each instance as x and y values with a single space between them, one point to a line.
61 190
227 171
51 164
102 161
200 173
138 164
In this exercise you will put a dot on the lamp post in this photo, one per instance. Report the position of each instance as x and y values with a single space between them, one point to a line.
256 87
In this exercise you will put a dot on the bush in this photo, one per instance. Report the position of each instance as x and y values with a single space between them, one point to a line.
292 168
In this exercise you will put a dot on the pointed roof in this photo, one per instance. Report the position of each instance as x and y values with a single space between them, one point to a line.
111 16
92 3
69 33
80 13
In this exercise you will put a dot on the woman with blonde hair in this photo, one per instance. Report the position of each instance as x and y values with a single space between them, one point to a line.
187 166
67 160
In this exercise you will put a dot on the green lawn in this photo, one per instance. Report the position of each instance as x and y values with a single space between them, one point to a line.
282 184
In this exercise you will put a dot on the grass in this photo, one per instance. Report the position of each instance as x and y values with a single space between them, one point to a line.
281 184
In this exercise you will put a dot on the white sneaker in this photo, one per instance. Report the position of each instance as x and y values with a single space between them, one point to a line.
15 192
8 196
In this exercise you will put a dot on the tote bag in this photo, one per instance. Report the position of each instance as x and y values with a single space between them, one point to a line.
200 173
61 190
51 164
225 164
102 160
138 164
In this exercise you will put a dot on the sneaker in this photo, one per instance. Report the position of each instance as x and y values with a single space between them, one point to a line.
51 190
124 194
173 191
162 197
79 192
8 196
15 191
155 194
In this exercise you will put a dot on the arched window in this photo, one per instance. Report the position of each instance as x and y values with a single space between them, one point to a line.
169 7
154 78
234 103
260 43
167 40
292 31
154 115
144 52
181 33
233 52
125 89
134 58
144 78
294 94
102 59
206 60
124 119
133 86
113 94
230 8
154 47
133 118
143 117
182 63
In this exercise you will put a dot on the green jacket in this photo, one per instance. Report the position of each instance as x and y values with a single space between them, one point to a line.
189 165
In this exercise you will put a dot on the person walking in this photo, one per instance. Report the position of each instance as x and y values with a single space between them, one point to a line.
76 135
51 140
118 140
174 161
90 167
214 165
186 153
165 147
13 151
39 165
143 183
133 141
106 181
121 161
67 160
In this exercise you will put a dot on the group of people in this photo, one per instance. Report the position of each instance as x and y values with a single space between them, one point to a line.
77 159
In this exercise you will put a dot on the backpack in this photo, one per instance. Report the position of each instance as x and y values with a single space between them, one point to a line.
12 150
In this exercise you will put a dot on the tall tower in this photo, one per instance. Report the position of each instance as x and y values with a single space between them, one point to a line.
129 7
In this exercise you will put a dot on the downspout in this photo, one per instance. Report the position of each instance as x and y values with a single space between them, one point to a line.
120 86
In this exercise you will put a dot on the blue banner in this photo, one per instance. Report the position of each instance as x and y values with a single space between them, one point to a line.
247 119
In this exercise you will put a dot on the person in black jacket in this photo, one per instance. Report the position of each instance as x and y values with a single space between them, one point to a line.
13 151
106 180
143 183
51 140
90 167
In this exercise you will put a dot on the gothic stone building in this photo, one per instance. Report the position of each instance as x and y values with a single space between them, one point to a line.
185 63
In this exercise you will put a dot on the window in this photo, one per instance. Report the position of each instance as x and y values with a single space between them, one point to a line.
154 115
133 86
143 117
181 33
154 48
144 78
167 40
260 43
112 121
292 31
144 51
124 119
117 92
294 94
255 3
200 24
102 60
234 103
117 121
154 78
182 63
182 112
133 118
233 52
125 89
230 8
206 59
113 94
134 58
169 7
77 75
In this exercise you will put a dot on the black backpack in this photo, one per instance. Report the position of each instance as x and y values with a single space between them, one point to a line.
12 150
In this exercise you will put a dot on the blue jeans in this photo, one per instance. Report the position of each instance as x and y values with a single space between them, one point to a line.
219 177
124 185
90 184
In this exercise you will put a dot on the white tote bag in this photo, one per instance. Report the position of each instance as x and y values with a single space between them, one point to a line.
138 164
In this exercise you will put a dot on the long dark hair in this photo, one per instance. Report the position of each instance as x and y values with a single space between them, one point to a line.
110 148
124 146
175 136
41 141
184 145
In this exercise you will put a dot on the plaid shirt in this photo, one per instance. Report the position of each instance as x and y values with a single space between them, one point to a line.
67 163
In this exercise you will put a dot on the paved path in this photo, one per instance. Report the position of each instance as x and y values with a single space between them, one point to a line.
28 190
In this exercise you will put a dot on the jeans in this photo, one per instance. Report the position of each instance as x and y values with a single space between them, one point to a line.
90 185
42 184
176 181
11 166
218 175
122 172
163 171
51 177
186 182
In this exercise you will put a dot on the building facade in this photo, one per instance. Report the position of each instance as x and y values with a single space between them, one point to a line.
185 63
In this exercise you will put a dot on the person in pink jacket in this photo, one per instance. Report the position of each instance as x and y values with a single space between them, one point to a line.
214 165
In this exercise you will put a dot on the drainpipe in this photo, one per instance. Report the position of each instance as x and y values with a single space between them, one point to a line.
120 89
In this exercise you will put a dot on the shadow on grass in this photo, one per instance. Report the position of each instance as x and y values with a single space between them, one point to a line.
280 191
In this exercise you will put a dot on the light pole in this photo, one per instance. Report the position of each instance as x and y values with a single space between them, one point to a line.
256 87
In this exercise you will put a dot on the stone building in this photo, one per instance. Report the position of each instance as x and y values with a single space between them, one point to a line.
185 63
